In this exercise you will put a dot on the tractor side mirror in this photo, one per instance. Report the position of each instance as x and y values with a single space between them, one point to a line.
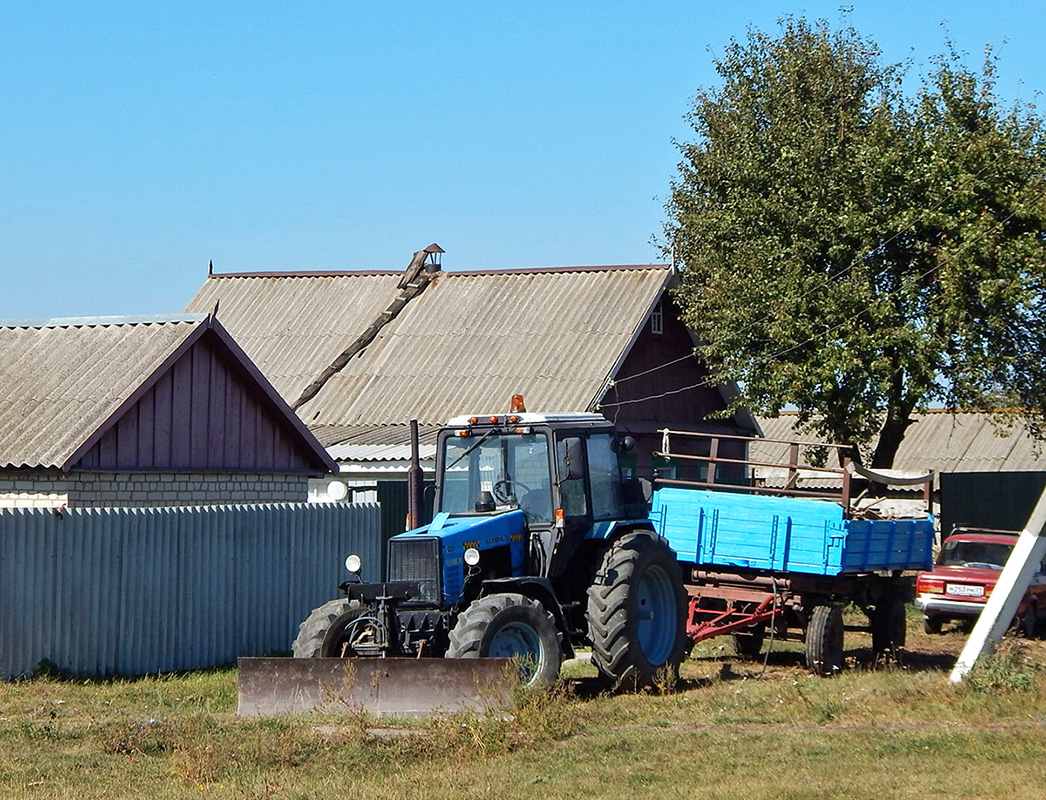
573 458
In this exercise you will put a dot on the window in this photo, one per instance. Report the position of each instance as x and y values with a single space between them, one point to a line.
657 320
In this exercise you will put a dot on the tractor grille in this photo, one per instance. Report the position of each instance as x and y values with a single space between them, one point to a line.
417 560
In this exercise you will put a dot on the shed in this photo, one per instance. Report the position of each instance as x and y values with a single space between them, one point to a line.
160 411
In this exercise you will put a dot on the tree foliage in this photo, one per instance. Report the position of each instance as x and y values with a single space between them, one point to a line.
859 252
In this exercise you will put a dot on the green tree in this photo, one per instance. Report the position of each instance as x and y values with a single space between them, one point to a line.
858 252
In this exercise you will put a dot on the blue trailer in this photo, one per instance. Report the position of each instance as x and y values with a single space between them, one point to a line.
784 559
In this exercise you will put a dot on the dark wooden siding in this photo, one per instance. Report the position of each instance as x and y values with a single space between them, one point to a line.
204 414
665 394
648 396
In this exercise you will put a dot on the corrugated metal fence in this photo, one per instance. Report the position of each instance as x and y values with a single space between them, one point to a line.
125 591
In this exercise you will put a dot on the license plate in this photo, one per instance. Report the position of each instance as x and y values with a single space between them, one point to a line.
965 590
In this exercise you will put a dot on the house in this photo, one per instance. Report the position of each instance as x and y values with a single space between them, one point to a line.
162 411
359 355
984 477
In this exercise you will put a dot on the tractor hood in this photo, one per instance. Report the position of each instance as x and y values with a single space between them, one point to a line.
499 538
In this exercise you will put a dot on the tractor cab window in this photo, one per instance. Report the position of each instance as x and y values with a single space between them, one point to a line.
570 455
605 477
509 470
592 455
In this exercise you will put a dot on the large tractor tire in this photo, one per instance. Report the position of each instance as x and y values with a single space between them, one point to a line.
637 613
324 634
824 640
508 625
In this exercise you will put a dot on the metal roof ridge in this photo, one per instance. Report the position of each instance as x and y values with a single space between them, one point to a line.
338 273
318 273
544 270
85 322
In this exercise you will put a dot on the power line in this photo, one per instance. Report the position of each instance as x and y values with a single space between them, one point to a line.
827 281
823 334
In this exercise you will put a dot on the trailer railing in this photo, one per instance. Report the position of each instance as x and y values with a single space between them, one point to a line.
792 466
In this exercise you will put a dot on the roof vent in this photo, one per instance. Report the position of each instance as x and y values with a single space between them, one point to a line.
433 261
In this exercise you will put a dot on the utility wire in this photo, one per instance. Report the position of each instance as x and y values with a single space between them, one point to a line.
773 356
828 280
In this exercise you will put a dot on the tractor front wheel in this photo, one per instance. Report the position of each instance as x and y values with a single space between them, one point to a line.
330 630
637 613
507 625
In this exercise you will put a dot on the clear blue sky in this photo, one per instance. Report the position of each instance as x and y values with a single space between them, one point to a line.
139 140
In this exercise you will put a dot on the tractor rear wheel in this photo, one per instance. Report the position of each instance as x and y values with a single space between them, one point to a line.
637 613
824 640
328 630
508 625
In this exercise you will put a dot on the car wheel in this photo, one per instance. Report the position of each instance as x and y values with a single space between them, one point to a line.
932 625
1029 623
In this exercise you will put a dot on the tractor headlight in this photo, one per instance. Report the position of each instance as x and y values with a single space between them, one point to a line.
472 556
353 564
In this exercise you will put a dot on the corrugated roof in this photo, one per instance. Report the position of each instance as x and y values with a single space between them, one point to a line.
61 381
469 340
293 325
395 435
938 440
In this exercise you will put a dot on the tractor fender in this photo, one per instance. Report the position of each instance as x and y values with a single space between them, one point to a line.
535 588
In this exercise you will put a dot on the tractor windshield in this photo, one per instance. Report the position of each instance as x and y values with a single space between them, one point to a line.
506 470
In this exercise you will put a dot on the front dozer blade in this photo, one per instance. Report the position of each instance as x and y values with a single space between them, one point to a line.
378 686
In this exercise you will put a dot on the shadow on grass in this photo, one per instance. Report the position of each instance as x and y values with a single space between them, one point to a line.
734 667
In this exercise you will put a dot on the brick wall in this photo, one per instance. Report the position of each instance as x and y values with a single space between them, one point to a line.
101 489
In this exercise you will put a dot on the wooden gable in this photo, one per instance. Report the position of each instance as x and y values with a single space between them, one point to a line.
203 412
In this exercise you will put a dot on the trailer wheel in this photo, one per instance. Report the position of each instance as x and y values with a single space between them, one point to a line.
889 626
637 613
748 643
324 633
510 625
824 640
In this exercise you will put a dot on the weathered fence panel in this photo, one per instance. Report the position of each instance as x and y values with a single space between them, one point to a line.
124 591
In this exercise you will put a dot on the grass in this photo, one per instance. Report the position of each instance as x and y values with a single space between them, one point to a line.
729 729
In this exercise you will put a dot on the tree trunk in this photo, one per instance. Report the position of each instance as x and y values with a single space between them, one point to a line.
890 437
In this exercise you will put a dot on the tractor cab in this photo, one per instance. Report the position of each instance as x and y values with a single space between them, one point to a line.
560 470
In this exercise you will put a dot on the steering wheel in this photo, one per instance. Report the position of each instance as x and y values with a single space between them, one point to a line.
504 490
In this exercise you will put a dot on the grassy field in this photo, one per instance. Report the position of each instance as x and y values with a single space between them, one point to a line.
730 729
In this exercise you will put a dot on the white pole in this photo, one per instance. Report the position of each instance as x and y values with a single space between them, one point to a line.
1013 583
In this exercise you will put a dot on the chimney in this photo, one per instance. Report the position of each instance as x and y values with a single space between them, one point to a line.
433 261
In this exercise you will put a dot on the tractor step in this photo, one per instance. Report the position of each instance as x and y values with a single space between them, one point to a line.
377 686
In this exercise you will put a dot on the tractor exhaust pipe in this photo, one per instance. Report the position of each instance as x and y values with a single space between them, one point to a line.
415 481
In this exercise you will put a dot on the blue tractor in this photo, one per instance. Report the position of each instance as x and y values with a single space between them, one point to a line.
537 546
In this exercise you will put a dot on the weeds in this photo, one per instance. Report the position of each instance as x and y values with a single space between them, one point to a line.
1009 669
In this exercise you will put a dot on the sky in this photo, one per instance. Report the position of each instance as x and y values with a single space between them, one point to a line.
139 141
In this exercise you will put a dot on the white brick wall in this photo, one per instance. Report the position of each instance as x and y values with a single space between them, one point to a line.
95 490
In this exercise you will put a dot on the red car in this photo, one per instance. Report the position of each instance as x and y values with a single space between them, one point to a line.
964 576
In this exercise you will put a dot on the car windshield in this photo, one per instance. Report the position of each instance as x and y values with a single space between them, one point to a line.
985 555
513 468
